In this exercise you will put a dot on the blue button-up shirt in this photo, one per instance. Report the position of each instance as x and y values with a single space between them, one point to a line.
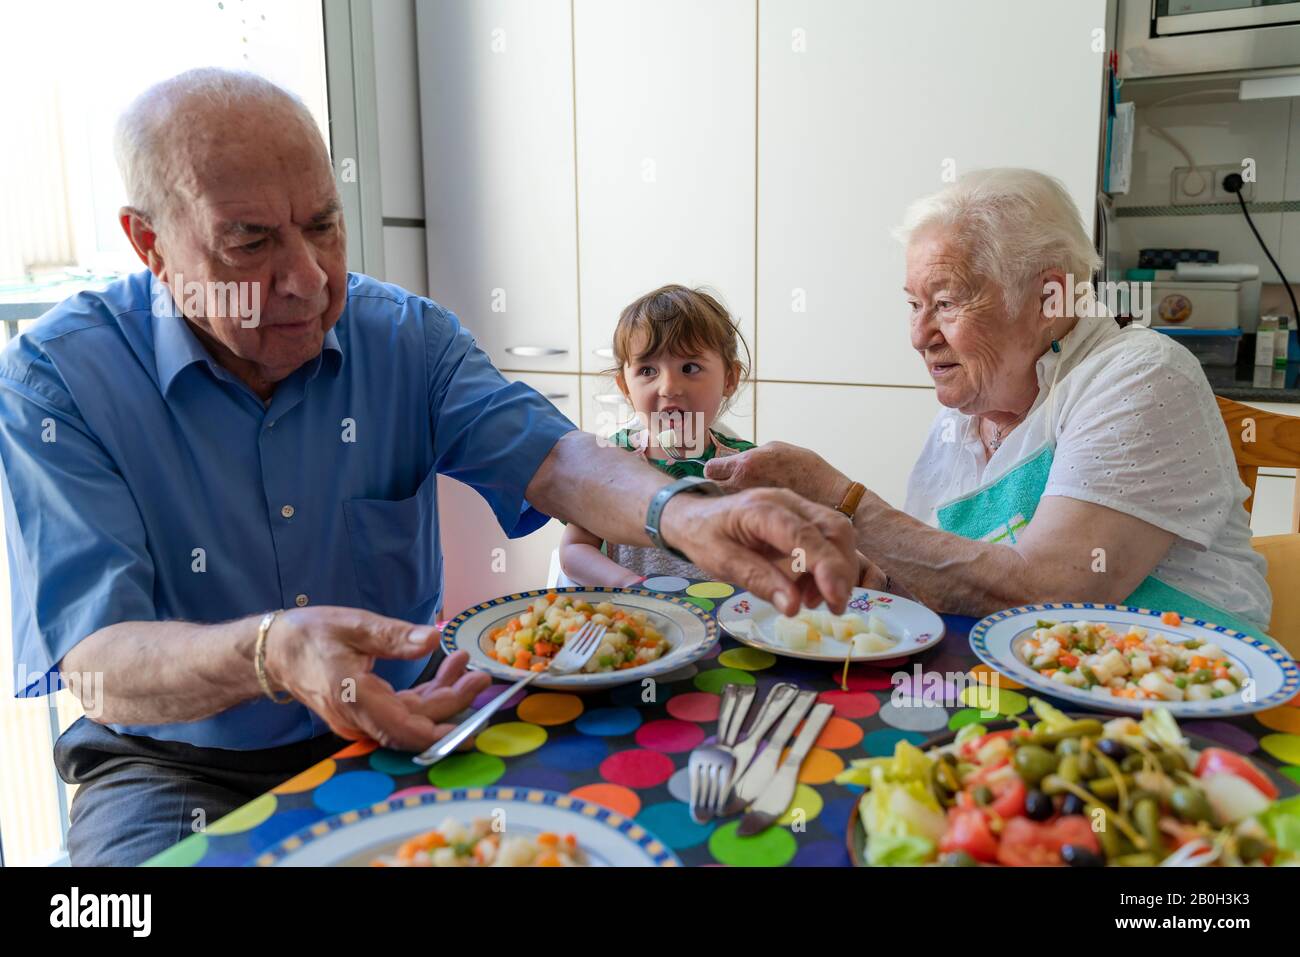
144 482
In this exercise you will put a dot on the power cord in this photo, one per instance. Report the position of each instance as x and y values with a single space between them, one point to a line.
1233 183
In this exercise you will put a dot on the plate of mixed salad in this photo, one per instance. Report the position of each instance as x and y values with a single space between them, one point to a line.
1075 791
1112 658
875 626
647 634
474 827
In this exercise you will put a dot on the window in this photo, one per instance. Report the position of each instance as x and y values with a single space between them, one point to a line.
73 68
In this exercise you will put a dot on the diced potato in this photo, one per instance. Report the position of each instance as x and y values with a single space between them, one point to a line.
819 618
844 627
1199 693
870 643
1072 678
1140 664
1224 685
877 624
792 632
1108 665
1157 685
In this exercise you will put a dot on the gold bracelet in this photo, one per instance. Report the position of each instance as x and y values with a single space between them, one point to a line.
259 658
851 499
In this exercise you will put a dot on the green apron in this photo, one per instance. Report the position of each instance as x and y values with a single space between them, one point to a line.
999 510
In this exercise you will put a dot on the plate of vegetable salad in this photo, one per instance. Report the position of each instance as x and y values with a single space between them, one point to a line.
647 634
1072 791
1125 660
474 827
483 843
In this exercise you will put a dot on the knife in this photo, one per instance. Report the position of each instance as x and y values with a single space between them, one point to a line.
776 797
777 699
760 772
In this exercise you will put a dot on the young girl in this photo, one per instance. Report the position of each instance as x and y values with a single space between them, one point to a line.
679 365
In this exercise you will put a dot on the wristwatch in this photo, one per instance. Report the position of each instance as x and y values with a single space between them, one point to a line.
692 483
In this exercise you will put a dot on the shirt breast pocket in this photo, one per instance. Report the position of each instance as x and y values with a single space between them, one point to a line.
395 551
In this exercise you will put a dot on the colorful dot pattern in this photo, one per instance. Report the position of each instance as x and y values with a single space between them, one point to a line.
627 751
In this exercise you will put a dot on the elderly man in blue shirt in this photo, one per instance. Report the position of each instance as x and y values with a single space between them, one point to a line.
211 509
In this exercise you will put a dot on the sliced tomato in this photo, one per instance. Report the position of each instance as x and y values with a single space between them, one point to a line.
972 747
1027 843
1009 799
1219 761
968 830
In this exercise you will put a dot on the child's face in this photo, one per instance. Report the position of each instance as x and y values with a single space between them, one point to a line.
667 389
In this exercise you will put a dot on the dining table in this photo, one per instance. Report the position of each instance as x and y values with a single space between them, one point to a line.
627 749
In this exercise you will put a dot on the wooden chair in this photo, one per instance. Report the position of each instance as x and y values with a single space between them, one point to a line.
1268 440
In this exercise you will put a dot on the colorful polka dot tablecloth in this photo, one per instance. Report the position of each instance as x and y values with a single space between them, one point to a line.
616 750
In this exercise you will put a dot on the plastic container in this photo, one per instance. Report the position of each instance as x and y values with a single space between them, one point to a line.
1213 347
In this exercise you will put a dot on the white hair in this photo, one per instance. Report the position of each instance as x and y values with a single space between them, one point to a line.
140 140
1015 224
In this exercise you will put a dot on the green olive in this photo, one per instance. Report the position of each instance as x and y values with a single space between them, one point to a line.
1034 763
1069 768
1067 746
1190 805
983 795
1251 848
1134 860
1131 763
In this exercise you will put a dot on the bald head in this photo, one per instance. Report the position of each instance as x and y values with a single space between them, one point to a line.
193 116
229 182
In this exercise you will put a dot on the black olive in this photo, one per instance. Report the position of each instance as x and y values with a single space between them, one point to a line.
1115 750
1073 805
1038 806
1076 855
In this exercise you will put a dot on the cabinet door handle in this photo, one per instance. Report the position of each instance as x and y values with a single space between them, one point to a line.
610 398
555 395
535 351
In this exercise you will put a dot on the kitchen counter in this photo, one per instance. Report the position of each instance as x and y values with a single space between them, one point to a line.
1245 383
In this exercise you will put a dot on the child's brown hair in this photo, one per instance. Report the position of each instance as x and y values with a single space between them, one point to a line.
684 322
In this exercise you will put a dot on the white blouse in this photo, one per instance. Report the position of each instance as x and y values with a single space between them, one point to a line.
1137 430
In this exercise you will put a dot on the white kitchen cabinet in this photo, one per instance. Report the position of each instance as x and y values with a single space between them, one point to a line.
872 434
479 562
496 102
865 107
665 155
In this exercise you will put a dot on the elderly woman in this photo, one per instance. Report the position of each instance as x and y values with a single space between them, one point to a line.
1074 460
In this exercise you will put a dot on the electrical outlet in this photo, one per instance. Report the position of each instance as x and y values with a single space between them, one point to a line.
1203 185
1221 195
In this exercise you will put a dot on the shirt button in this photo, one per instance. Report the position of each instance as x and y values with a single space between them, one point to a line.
287 511
300 600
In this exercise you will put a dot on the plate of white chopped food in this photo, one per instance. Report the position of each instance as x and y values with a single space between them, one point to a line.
875 626
1115 658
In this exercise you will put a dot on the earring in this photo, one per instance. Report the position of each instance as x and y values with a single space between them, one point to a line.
1056 345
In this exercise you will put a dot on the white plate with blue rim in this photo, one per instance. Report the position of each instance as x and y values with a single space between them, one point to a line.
689 630
912 627
359 838
1271 675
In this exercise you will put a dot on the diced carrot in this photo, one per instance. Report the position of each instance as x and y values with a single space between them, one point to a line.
1070 661
1197 663
543 648
550 859
548 839
571 840
1220 672
522 659
1171 618
513 626
539 666
1048 672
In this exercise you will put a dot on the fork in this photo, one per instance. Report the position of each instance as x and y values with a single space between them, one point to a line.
575 653
711 766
